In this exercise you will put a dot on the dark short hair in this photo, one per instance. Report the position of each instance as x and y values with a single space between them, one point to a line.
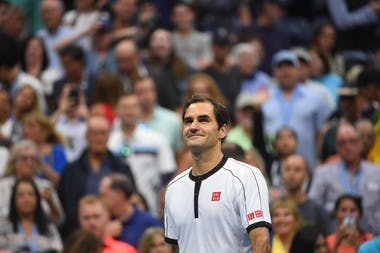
356 199
286 128
220 111
74 52
121 182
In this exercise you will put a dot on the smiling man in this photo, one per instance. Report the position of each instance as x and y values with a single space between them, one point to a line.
219 204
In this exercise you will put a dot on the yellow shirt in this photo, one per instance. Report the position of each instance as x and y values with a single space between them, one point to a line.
277 245
374 154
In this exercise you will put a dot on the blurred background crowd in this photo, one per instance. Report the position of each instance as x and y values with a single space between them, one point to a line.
91 95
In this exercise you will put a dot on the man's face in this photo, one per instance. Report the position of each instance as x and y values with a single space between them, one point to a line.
126 60
287 74
97 135
348 144
125 10
247 62
128 110
26 163
93 217
109 196
294 172
73 68
182 17
200 128
146 92
51 14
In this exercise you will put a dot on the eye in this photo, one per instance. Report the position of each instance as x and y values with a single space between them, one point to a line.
204 119
187 121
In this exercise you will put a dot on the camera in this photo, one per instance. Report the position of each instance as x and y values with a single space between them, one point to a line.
349 222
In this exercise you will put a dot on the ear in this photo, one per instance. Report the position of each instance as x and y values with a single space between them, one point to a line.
223 131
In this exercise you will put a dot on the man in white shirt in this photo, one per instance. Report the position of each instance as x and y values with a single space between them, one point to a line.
219 204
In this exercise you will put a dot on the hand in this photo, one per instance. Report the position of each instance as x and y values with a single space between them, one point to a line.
376 6
148 11
114 228
64 103
260 97
47 194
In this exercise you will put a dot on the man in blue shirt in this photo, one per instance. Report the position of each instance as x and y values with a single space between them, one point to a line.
293 105
116 190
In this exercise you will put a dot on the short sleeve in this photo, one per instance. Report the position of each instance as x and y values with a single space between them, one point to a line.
254 200
171 235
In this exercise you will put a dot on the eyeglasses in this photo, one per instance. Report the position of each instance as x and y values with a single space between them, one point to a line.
351 141
25 158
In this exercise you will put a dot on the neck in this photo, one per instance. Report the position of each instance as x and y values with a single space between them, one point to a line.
185 30
297 195
287 239
203 162
147 112
128 130
95 159
352 165
287 92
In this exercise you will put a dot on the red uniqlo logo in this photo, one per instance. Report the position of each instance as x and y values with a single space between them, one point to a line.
215 196
258 213
251 216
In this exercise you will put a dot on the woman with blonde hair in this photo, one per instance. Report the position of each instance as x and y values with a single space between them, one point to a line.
39 129
290 232
153 241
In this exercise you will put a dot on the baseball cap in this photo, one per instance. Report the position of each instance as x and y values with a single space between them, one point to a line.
244 100
221 36
302 54
285 56
347 91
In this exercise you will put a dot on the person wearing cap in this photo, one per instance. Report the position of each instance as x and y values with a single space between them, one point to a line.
225 75
304 59
291 104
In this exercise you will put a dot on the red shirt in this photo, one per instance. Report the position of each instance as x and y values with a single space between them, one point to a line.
113 246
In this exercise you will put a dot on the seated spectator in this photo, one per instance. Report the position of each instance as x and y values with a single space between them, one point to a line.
35 62
147 151
349 236
107 89
38 128
76 75
350 175
6 121
27 229
324 40
191 46
81 18
70 121
157 117
82 241
125 62
296 176
83 176
94 217
247 61
24 163
305 78
225 74
24 103
289 232
347 112
116 191
293 105
167 70
15 24
153 241
12 78
321 72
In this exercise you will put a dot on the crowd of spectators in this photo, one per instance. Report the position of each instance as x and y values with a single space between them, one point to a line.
91 95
